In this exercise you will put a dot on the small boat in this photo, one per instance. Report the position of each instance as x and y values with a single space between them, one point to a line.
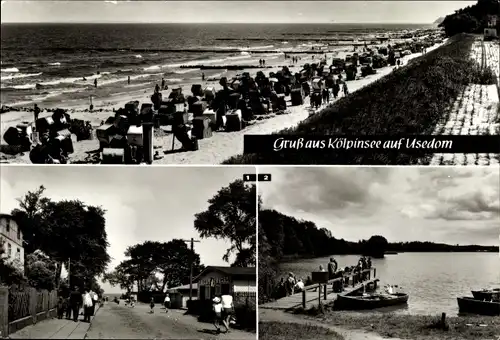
471 305
487 294
372 301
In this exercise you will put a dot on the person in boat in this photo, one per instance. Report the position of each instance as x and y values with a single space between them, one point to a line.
369 263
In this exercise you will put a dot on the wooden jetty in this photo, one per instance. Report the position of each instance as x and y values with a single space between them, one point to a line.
323 293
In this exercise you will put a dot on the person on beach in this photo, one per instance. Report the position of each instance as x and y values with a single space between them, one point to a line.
227 310
95 82
346 90
75 301
36 112
326 95
166 302
152 306
336 89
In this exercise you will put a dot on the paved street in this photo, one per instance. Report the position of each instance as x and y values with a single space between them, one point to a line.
121 322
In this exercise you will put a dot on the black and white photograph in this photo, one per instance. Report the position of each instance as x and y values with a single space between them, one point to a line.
127 253
182 82
379 253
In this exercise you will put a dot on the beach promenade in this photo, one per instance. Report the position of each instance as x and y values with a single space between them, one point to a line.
114 321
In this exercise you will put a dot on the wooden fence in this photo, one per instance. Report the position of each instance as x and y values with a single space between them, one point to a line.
21 307
246 299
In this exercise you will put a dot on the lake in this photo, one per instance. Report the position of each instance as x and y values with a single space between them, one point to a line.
432 280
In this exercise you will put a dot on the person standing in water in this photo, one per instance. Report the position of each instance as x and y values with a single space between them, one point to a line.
203 76
162 83
128 80
95 82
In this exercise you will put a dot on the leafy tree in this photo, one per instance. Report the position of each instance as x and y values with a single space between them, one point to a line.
170 259
376 246
231 215
66 231
471 19
39 270
10 273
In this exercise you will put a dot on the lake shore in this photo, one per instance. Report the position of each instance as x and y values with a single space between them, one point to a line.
378 326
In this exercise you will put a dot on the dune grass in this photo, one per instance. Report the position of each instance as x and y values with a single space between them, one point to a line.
410 100
288 331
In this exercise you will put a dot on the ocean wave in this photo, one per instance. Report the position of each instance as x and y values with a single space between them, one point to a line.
138 56
10 70
151 68
20 75
54 64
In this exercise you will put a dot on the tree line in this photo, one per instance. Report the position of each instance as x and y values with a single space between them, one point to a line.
471 19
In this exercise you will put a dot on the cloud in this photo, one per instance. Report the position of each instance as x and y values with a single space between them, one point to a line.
400 203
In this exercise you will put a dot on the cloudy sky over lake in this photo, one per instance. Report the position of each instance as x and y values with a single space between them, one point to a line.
229 11
141 203
448 205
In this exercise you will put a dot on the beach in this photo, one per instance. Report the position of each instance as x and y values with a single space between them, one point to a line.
222 145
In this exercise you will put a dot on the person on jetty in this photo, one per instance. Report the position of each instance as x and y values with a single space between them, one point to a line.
299 286
290 284
157 89
332 269
36 112
163 84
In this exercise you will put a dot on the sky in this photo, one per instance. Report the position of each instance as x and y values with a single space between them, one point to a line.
446 205
141 203
229 11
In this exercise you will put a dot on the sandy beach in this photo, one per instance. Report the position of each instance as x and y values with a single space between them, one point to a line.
214 150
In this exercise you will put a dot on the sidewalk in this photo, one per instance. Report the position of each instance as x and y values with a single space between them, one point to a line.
55 329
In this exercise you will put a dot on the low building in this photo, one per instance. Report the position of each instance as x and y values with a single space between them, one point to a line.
12 238
217 281
183 293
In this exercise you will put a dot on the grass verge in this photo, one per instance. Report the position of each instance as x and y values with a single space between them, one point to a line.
409 101
417 326
287 331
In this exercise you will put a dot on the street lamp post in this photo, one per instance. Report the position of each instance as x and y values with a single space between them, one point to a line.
192 241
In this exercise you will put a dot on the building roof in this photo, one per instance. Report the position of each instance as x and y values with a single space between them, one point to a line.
183 287
231 271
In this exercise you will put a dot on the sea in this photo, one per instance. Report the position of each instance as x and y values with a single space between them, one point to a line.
49 61
432 280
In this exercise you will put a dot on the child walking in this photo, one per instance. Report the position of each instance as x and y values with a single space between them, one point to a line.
217 308
152 305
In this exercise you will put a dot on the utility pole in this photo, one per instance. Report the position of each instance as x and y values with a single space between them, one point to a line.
192 241
69 271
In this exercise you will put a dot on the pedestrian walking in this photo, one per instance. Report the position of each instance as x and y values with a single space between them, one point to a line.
217 308
75 301
67 308
87 306
166 302
152 305
60 307
95 298
227 310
